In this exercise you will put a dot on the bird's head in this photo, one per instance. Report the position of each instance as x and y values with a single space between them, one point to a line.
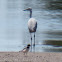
28 45
28 9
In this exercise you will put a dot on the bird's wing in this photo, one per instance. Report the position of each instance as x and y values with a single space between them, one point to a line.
35 27
23 50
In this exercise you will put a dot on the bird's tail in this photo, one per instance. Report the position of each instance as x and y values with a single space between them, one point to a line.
21 51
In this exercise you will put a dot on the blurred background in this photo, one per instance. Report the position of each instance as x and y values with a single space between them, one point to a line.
14 34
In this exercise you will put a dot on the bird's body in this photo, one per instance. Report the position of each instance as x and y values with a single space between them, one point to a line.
32 25
26 49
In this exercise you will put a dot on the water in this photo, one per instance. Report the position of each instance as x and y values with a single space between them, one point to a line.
14 34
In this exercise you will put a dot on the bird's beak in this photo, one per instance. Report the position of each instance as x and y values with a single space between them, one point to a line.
24 10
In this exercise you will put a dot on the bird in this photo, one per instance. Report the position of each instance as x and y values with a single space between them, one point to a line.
32 25
26 49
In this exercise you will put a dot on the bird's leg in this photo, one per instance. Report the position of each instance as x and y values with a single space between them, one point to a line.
34 43
24 53
31 42
34 39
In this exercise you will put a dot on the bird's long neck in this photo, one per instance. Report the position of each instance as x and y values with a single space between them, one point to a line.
30 13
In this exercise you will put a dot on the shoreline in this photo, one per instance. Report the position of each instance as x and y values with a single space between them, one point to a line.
31 57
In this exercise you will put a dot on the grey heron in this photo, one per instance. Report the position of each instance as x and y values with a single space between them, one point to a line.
32 25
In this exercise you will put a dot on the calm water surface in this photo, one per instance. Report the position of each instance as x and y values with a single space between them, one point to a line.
14 34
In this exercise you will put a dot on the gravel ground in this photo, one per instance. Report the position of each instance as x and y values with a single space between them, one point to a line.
30 57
